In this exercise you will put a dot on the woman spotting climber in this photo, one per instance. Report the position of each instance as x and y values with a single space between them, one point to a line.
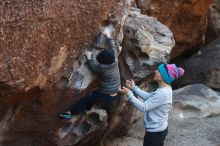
105 64
155 105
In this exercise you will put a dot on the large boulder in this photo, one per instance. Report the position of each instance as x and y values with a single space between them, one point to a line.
195 101
47 48
32 114
203 67
84 130
186 19
42 40
42 44
146 43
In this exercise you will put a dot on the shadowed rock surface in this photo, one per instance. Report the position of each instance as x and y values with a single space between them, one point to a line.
187 19
213 30
88 129
30 118
203 67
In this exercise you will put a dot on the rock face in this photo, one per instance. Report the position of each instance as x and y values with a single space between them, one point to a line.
217 3
195 101
186 19
213 22
42 43
146 42
41 40
85 130
203 67
47 48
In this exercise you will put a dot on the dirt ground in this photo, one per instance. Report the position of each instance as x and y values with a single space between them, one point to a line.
182 132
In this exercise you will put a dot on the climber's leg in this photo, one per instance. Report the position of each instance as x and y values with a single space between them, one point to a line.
83 102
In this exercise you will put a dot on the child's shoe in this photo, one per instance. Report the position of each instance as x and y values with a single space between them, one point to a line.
65 115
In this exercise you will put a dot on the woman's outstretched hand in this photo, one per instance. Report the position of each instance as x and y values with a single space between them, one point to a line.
123 90
130 83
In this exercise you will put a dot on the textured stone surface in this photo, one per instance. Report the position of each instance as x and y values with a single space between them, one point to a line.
85 130
217 3
146 42
56 42
41 40
186 19
203 67
30 118
47 47
195 101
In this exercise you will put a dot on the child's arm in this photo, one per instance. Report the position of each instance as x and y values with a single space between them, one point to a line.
112 47
94 66
111 43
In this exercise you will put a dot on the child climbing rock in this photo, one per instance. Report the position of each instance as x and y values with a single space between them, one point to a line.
106 65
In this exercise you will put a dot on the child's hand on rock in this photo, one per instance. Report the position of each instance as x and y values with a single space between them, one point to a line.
106 32
88 54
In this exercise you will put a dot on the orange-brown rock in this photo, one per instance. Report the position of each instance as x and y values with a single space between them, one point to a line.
187 19
41 40
41 43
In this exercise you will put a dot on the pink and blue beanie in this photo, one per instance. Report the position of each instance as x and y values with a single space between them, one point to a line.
170 72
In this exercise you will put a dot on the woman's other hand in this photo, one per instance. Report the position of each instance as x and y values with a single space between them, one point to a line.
123 90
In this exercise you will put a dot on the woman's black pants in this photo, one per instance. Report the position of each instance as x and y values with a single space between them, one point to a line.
155 138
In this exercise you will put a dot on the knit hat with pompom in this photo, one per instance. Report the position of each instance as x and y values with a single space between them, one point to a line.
170 72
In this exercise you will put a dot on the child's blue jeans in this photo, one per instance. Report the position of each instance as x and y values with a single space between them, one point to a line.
89 100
